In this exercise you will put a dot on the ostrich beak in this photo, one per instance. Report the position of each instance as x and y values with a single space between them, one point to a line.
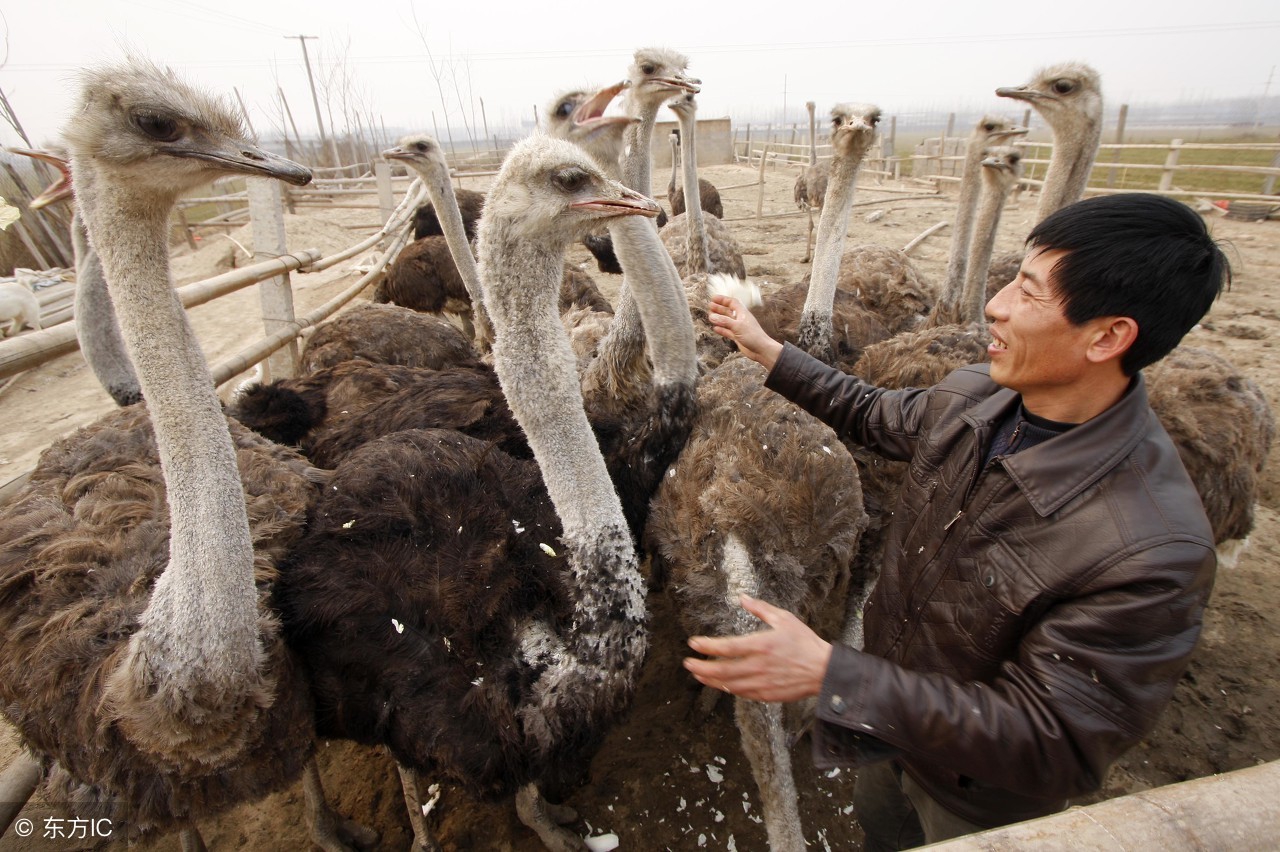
1022 93
590 116
679 83
1010 133
627 202
58 190
239 156
396 153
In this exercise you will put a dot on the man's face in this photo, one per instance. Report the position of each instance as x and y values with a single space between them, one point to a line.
1034 349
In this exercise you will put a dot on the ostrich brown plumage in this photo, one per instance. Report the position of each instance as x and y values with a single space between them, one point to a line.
426 222
143 662
386 334
481 616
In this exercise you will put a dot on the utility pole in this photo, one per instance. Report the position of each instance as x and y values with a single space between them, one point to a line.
333 148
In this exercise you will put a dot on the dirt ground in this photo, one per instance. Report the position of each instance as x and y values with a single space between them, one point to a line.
668 778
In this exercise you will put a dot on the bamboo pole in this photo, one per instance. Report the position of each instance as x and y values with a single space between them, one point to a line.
36 347
764 155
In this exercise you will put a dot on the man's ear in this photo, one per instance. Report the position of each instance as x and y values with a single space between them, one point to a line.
1112 338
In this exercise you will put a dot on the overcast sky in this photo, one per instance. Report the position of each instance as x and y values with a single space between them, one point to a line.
927 55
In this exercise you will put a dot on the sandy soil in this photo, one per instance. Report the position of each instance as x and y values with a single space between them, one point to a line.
667 777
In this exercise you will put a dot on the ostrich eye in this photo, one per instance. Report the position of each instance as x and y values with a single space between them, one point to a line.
564 108
158 127
421 147
1014 159
874 119
571 179
1064 86
990 127
648 68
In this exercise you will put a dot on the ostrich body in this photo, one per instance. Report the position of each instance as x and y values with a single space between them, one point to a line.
811 184
708 195
763 500
425 277
819 331
483 616
143 663
386 334
426 222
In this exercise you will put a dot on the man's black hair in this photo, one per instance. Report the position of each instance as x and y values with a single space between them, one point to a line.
1135 255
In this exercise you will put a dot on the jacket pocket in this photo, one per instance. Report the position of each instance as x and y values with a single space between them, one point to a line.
995 595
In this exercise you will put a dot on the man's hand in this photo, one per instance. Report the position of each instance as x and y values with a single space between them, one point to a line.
730 319
784 663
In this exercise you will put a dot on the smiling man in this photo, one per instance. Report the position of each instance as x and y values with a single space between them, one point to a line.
1048 560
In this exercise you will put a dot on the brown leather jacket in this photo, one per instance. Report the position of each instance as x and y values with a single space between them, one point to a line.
1033 614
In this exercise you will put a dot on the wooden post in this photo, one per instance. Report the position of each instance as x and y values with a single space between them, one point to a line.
1115 156
1269 185
1170 163
747 150
186 228
386 198
276 296
764 155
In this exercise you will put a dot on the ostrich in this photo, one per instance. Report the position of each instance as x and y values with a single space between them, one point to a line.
143 663
707 192
811 184
1069 97
97 330
833 323
885 280
436 274
426 222
698 241
481 616
578 115
989 131
764 499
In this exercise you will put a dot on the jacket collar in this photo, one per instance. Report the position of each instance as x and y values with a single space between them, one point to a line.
1058 470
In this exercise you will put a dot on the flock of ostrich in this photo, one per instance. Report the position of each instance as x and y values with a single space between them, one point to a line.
441 536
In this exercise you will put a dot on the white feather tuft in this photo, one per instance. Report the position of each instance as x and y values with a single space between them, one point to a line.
745 291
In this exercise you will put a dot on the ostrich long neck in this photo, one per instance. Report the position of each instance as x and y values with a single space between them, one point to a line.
198 638
833 226
96 325
660 300
995 189
455 236
619 364
535 366
698 248
953 288
1074 151
675 168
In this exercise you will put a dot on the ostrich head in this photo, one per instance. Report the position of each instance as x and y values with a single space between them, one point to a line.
1067 94
685 106
137 112
551 191
1003 163
995 129
853 127
424 155
60 189
578 117
655 75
